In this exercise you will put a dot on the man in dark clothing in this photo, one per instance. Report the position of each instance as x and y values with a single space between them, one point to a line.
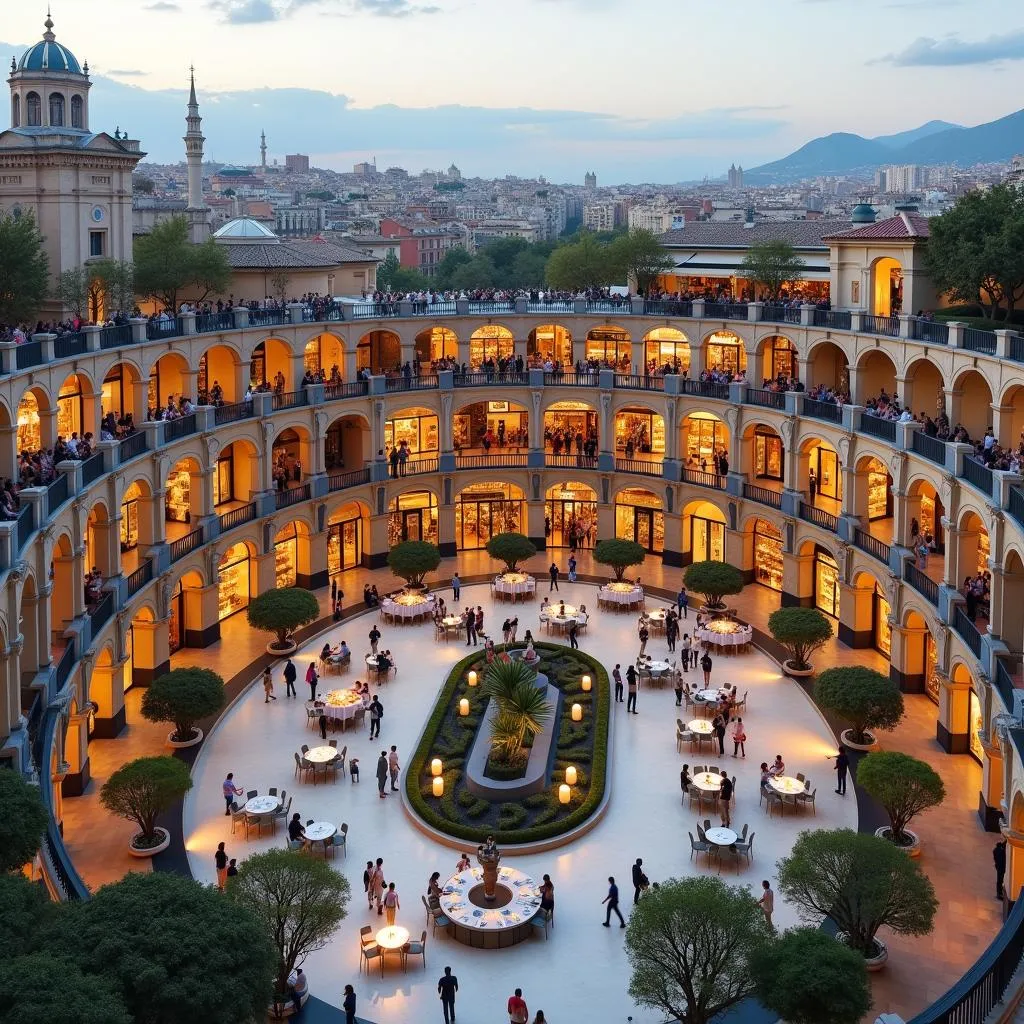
573 643
617 676
842 767
470 627
376 714
382 773
447 986
639 879
374 636
612 899
718 726
631 690
289 679
553 573
999 857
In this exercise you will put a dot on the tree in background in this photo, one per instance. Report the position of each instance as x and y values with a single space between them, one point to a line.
976 250
619 554
113 281
142 184
167 264
141 790
861 697
183 696
73 290
24 269
279 282
511 548
479 272
772 266
454 258
413 559
639 259
714 580
580 265
802 631
393 277
23 821
43 987
903 785
282 612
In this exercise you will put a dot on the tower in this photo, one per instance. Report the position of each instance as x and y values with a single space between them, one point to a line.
196 213
263 151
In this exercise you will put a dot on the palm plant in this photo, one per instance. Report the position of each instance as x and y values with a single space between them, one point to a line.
521 707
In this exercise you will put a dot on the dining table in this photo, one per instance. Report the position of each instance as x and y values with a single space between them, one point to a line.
320 832
708 782
392 939
262 805
787 787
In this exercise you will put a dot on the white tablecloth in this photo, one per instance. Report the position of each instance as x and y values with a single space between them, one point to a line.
262 805
343 712
503 586
656 668
525 900
708 636
407 611
708 782
320 830
786 785
627 598
321 755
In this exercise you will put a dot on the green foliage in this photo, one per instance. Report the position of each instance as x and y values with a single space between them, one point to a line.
26 912
23 821
772 266
521 707
863 883
479 272
282 612
299 900
511 548
279 281
690 944
580 265
619 554
73 290
43 987
511 816
142 184
411 560
183 696
807 977
861 697
451 261
323 194
714 580
393 277
24 269
802 631
639 257
167 264
976 250
141 789
110 283
903 785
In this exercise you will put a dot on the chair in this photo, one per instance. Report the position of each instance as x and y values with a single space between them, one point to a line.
305 749
359 718
294 844
282 814
701 846
416 947
272 791
371 952
312 717
255 792
694 795
341 838
774 800
542 919
439 919
301 766
745 848
808 798
800 777
237 815
333 743
366 936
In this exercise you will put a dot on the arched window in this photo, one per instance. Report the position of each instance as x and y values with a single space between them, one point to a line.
56 110
15 111
76 112
33 110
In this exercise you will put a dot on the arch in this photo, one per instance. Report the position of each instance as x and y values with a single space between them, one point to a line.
973 550
291 549
236 472
570 515
436 343
35 425
704 531
348 530
876 375
220 375
379 351
873 488
821 473
56 105
872 612
923 386
292 456
778 356
886 286
704 437
64 586
490 342
640 516
609 346
828 368
1011 418
1011 603
324 354
412 434
477 427
571 426
123 393
184 611
33 110
183 492
639 433
412 515
348 443
270 366
170 378
549 341
972 404
768 560
77 112
667 350
925 508
485 508
763 456
74 417
724 351
236 578
16 111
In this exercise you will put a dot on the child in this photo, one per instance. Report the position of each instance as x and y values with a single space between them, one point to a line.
353 768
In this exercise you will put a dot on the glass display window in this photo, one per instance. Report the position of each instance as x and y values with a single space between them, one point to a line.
639 517
418 429
769 454
705 435
178 495
233 585
258 365
436 343
30 437
725 352
286 554
130 518
128 672
984 549
976 723
612 346
412 516
490 342
224 479
550 341
153 396
176 620
826 583
781 358
113 392
378 351
570 513
203 381
827 472
645 431
70 408
931 669
484 510
667 350
767 555
311 356
344 545
879 492
880 617
707 539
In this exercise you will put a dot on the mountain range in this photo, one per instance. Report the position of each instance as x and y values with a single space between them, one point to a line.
937 142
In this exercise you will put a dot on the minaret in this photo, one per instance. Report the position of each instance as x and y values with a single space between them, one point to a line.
199 228
263 151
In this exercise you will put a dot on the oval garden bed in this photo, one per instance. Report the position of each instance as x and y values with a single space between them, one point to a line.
449 736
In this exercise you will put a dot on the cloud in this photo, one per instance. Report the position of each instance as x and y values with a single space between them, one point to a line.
953 52
392 8
257 12
246 12
127 73
163 5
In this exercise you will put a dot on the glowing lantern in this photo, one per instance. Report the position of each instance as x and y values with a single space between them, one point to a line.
585 684
438 786
436 767
570 775
564 794
577 712
472 679
464 707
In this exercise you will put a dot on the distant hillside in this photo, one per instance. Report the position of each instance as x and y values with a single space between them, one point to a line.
985 143
838 153
906 138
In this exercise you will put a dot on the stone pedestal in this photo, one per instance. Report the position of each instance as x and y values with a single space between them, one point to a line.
489 863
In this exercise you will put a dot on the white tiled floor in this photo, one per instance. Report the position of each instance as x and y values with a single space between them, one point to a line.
582 967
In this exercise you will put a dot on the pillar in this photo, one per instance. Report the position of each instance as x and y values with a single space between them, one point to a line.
536 511
906 658
151 655
904 508
855 615
378 545
106 690
673 554
855 493
953 399
266 572
311 561
951 729
106 547
202 620
9 451
48 426
1014 880
446 526
65 607
605 520
152 519
991 797
951 568
348 369
92 413
739 551
76 754
797 580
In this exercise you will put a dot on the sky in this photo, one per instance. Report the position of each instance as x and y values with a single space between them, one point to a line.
635 90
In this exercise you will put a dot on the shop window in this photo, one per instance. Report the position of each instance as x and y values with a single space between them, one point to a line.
644 432
490 343
418 431
725 352
571 515
707 539
931 669
412 516
667 350
825 465
69 409
611 347
130 518
705 437
507 427
879 493
233 581
224 480
344 545
782 360
484 510
768 455
286 554
880 619
976 722
311 357
178 496
30 438
639 517
113 392
258 365
826 583
767 555
550 342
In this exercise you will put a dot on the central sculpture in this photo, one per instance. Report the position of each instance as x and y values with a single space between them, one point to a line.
488 855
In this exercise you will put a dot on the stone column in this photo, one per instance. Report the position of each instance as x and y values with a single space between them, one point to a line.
797 580
311 562
992 797
535 514
952 727
151 656
446 527
106 688
1014 880
855 615
202 622
906 657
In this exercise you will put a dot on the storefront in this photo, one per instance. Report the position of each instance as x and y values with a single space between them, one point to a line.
704 436
569 418
646 431
233 581
224 478
508 426
378 351
826 583
30 438
930 521
769 454
571 508
130 518
881 631
70 408
286 555
707 539
667 347
780 357
825 465
176 620
725 352
611 346
344 545
767 555
976 723
113 392
258 365
879 492
550 342
178 495
417 428
436 343
286 455
931 668
639 517
484 510
492 342
128 673
412 516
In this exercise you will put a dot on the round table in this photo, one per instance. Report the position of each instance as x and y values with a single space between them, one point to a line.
657 668
513 583
708 782
743 635
485 927
320 831
711 696
786 785
700 725
622 593
408 606
393 937
560 621
720 836
455 622
342 705
262 805
321 755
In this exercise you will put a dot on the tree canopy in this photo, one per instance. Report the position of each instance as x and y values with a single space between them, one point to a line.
903 785
802 631
619 554
411 560
771 266
862 697
168 264
183 696
639 257
577 266
393 277
43 987
714 580
24 269
283 611
520 707
511 548
110 283
23 821
141 789
26 911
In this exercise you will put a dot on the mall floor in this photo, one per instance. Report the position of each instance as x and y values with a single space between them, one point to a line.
254 738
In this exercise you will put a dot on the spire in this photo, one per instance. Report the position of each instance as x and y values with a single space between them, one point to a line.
48 34
192 101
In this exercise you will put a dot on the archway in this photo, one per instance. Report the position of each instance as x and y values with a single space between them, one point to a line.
704 531
484 509
236 579
825 574
410 435
291 554
778 358
639 517
324 357
169 381
923 392
347 443
821 475
874 497
62 609
1011 415
76 415
220 376
123 395
828 368
704 440
100 552
35 424
768 563
436 343
972 406
482 426
926 511
667 350
764 455
185 618
270 367
876 376
973 550
570 427
724 351
347 529
570 514
236 474
412 516
886 287
183 497
136 523
975 711
610 347
867 621
379 352
291 457
1011 604
640 434
549 341
489 344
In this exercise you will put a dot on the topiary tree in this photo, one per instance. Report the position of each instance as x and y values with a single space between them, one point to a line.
42 987
862 697
714 580
802 631
619 554
860 881
141 789
22 822
282 612
903 785
807 977
183 696
511 548
413 559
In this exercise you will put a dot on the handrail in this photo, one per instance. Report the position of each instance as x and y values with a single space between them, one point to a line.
351 478
237 516
878 427
819 517
702 478
352 389
646 467
930 447
639 382
967 630
186 545
923 584
977 473
765 398
818 410
498 460
233 412
765 495
292 495
138 579
872 545
572 379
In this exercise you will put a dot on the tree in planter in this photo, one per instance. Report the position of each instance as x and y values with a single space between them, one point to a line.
141 789
521 707
714 580
807 977
903 785
413 559
802 631
22 823
863 883
183 696
862 697
282 612
300 901
619 554
511 548
690 944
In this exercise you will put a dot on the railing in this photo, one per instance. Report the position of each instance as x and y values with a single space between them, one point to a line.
835 319
116 336
872 545
417 467
572 380
491 306
1004 684
702 478
767 399
923 584
26 524
267 317
829 411
422 383
481 378
132 445
56 494
181 427
232 413
935 332
819 517
27 354
374 310
609 306
138 579
979 341
351 478
725 310
67 345
878 427
570 461
92 468
668 307
290 399
552 306
930 447
292 496
101 612
436 309
223 321
887 325
186 545
169 328
1016 508
764 495
967 629
353 389
780 314
977 473
639 382
62 672
237 516
1017 348
642 466
499 460
704 388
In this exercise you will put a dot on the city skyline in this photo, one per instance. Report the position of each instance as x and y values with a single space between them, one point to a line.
291 69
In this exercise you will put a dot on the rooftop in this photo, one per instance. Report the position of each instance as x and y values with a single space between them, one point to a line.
49 55
902 225
293 255
246 229
801 234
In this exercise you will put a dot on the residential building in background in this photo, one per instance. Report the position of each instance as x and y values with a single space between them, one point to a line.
296 162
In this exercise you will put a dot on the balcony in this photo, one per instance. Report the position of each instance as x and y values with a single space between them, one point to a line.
967 630
332 392
580 461
645 467
765 398
763 495
352 478
67 345
819 517
292 496
290 399
169 328
374 310
934 332
887 325
115 337
878 427
232 413
28 354
829 411
572 380
930 447
979 341
704 388
780 314
668 307
186 545
498 460
639 382
484 378
267 317
702 478
872 545
237 516
975 472
923 584
223 321
131 446
834 319
183 426
424 383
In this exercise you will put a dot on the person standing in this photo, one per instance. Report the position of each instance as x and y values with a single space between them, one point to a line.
393 768
812 483
639 879
553 575
456 587
683 601
617 676
671 630
348 1004
573 642
377 885
679 688
718 727
374 636
289 679
644 635
572 568
312 679
376 714
220 858
739 738
230 791
447 986
517 1011
684 657
470 627
631 689
367 879
767 903
705 664
999 859
478 624
382 773
334 592
725 797
612 900
268 686
391 904
842 767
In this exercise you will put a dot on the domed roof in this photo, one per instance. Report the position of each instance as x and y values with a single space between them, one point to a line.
245 229
49 55
863 213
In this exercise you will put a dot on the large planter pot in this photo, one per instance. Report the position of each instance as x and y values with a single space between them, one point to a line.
197 738
150 851
872 963
912 849
279 651
415 588
848 741
796 673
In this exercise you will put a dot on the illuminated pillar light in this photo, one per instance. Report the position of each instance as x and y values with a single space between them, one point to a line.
438 786
464 707
472 678
436 767
564 794
570 775
577 712
585 684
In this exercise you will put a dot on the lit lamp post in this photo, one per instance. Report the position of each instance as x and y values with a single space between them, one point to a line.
585 684
577 712
438 785
436 767
464 707
570 775
472 678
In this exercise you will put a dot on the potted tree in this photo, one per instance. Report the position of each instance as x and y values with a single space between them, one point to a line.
802 631
412 560
520 710
184 696
282 612
714 580
139 791
23 822
861 697
862 883
511 548
619 554
905 787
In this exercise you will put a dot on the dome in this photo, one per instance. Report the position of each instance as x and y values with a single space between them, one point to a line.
49 55
863 213
245 229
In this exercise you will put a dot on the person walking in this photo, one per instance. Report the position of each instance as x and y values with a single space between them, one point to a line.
312 679
391 904
447 986
573 642
517 1011
718 727
470 627
767 903
553 574
289 679
671 630
725 797
374 636
377 885
376 714
683 601
999 859
640 882
617 676
644 635
220 859
367 879
382 773
705 664
393 768
842 767
612 901
684 656
456 587
268 686
230 791
631 690
739 738
334 592
348 1004
572 568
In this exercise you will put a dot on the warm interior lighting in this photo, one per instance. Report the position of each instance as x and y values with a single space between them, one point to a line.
585 684
570 775
436 767
472 679
464 707
439 786
577 712
564 794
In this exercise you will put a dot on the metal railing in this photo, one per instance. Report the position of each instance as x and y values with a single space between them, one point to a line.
374 310
481 378
764 495
765 398
56 494
923 584
292 496
608 306
702 478
1004 684
131 446
551 306
935 332
351 478
28 354
290 399
169 328
642 466
62 672
1016 508
497 460
570 461
979 341
967 630
232 413
237 516
181 427
819 517
872 545
977 473
437 309
639 382
417 467
829 411
116 336
223 321
352 389
488 306
70 344
92 468
704 388
267 317
26 524
423 383
780 314
1017 348
668 307
878 427
930 447
100 614
835 319
138 579
186 545
887 325
572 379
